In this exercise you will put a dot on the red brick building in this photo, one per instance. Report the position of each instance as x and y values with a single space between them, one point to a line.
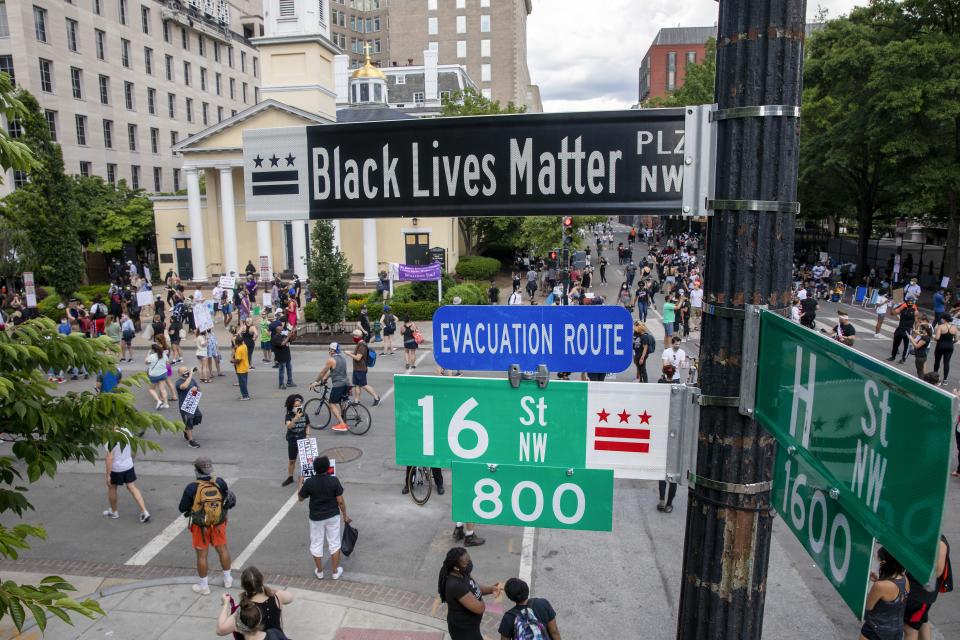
663 69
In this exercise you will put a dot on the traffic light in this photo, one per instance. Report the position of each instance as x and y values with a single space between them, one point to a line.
567 231
568 223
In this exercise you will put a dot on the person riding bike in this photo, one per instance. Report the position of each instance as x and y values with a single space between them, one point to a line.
335 368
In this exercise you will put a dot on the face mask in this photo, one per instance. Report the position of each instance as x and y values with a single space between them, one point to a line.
356 340
467 570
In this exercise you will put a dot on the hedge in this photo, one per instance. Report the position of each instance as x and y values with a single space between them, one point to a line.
477 267
420 310
468 293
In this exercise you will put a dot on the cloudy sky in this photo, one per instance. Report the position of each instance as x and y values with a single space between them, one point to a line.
586 55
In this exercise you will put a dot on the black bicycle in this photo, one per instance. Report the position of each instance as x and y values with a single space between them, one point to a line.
420 484
355 415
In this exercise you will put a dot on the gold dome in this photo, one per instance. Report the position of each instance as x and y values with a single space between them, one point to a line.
368 70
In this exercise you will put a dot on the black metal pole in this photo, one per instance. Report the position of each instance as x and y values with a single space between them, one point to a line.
727 546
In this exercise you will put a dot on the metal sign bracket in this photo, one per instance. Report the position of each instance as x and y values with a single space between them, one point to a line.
541 375
684 427
749 358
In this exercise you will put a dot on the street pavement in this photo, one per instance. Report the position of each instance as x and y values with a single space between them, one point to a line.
600 583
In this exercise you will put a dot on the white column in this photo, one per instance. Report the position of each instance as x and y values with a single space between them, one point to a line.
264 244
228 214
197 247
300 248
370 250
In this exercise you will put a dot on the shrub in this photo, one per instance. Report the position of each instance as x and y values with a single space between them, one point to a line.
357 296
477 267
468 293
402 293
48 308
428 290
416 310
311 311
91 291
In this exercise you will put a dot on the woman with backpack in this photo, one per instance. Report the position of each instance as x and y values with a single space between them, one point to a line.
269 601
389 323
409 335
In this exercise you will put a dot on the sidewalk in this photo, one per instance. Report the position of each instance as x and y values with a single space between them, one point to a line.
159 604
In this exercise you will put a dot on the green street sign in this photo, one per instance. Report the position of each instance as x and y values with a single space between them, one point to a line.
593 425
869 447
523 496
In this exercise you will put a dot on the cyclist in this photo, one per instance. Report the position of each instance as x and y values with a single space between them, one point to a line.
335 368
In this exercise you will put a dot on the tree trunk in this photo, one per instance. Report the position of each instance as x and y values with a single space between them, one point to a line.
864 229
953 239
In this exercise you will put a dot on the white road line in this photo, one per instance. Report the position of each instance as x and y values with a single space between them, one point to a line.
268 528
526 556
155 546
388 392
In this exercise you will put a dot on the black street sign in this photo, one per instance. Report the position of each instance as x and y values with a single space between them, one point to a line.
526 164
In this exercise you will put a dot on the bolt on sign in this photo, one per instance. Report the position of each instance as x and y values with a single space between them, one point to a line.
517 164
863 453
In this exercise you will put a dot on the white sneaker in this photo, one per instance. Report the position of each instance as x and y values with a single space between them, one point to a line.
145 517
877 335
338 573
227 581
318 573
159 405
166 405
113 515
204 591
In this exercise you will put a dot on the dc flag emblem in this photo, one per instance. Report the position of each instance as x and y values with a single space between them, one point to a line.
628 433
275 175
276 169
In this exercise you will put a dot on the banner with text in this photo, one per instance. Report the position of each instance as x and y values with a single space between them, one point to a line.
415 273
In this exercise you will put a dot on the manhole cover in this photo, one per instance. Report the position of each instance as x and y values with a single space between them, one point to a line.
342 454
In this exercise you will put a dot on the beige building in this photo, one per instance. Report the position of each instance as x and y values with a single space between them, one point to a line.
206 233
123 81
487 37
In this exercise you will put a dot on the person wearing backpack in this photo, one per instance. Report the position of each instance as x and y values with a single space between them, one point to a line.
363 358
205 502
916 624
389 323
530 618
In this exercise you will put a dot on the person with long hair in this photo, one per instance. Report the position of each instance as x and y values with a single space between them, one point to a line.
168 382
945 335
203 366
886 600
156 362
298 426
463 595
269 601
409 343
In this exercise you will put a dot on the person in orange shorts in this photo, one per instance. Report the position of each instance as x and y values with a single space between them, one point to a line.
211 506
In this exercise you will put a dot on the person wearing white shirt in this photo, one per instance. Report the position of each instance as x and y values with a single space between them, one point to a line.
119 471
515 298
883 305
696 304
801 294
912 291
217 294
675 357
795 312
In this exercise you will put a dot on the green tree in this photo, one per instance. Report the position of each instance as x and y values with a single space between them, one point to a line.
113 216
14 154
329 274
698 84
44 429
44 208
13 250
540 234
470 102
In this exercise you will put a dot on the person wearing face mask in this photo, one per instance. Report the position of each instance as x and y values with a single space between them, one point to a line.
674 357
213 533
463 595
361 364
298 427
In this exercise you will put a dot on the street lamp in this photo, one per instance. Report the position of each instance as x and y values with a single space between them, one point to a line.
415 221
180 227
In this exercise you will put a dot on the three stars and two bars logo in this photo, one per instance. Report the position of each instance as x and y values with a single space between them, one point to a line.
627 438
276 178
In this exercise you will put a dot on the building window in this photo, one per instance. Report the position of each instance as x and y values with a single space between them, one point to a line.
218 80
219 114
40 23
444 97
691 57
431 5
108 134
233 112
256 67
201 45
461 4
485 73
189 109
203 79
157 179
176 179
76 82
72 34
243 61
418 97
122 11
125 52
51 117
216 51
134 176
85 169
461 24
230 56
172 105
186 73
154 140
173 140
168 63
487 93
98 7
288 9
128 93
184 38
148 60
112 173
205 110
81 122
100 38
6 66
104 89
243 92
166 31
484 48
233 88
485 23
432 26
671 70
145 19
46 75
14 129
20 179
461 48
132 136
484 3
401 78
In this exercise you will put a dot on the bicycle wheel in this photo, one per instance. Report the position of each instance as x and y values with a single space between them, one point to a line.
318 411
357 418
419 484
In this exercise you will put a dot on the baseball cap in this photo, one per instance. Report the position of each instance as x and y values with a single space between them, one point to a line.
357 333
334 346
457 300
203 465
386 307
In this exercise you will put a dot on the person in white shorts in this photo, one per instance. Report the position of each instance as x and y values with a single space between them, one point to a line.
326 506
883 305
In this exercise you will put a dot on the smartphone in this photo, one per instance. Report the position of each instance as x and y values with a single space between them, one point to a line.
195 369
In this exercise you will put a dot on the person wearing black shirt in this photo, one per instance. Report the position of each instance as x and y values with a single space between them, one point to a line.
326 506
844 331
463 595
537 612
808 311
298 428
281 354
907 314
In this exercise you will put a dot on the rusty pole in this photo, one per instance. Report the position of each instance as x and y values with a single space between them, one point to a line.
727 546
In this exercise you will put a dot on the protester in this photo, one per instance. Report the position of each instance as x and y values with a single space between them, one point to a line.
921 343
389 323
156 362
128 332
529 617
916 623
886 600
463 595
241 363
269 602
297 428
120 471
883 305
644 345
408 333
326 507
281 354
334 368
205 502
674 357
184 384
945 335
907 319
361 358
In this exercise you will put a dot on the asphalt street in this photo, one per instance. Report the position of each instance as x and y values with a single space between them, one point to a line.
600 583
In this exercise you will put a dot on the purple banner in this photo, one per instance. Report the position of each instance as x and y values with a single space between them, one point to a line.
415 273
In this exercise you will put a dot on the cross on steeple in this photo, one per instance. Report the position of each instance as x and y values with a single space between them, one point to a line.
366 50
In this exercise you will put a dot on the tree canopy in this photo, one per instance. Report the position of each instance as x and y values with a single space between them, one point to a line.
329 274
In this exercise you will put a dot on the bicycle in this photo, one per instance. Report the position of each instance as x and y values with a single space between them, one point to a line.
420 484
355 415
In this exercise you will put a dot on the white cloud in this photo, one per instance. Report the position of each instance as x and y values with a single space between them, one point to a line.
586 56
